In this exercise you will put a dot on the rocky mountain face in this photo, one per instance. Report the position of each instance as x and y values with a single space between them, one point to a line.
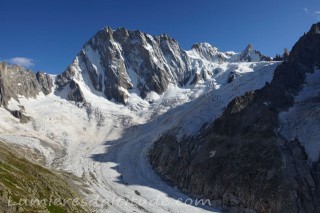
241 160
16 80
251 55
209 53
119 62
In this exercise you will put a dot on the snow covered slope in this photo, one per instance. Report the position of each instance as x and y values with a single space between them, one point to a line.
106 143
120 94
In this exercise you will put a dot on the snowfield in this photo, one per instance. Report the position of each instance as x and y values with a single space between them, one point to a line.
106 144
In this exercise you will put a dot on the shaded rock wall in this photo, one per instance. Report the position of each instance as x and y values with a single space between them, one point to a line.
240 160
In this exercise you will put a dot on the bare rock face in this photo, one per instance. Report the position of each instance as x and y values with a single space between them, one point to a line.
45 81
241 160
65 78
20 115
16 80
114 62
75 93
3 96
209 52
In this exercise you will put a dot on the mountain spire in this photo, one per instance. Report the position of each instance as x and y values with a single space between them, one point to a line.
249 47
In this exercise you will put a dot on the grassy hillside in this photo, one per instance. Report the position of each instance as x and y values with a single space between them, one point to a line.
26 187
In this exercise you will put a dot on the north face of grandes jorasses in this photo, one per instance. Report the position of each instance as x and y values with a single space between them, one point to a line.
119 62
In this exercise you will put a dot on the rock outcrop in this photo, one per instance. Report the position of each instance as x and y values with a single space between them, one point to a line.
75 93
241 160
45 81
209 53
20 115
16 80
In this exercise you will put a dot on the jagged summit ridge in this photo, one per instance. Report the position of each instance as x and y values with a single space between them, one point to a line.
207 52
16 80
251 55
119 62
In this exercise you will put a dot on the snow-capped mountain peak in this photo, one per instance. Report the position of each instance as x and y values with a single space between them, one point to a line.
192 96
206 51
118 63
252 55
122 61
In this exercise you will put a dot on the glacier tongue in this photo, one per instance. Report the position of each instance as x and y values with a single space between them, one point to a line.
106 143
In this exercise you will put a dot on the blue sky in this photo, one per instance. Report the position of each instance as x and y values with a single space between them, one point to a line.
46 35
